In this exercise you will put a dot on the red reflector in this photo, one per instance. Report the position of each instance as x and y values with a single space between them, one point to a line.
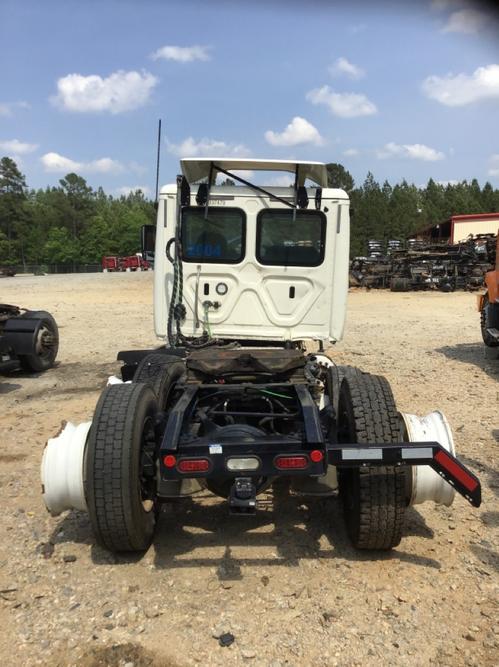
316 455
169 461
291 462
193 465
456 471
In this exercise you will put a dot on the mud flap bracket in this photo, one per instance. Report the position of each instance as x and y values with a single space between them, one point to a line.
415 453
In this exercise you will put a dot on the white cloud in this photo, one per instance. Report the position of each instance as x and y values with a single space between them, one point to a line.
343 66
53 162
468 21
345 105
182 54
17 147
8 108
136 168
298 131
283 181
351 152
242 173
494 165
207 148
461 89
247 174
451 181
120 91
125 190
411 151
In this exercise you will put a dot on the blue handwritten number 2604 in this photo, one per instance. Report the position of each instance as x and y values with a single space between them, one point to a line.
204 250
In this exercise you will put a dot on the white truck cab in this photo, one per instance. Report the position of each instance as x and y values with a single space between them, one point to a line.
255 267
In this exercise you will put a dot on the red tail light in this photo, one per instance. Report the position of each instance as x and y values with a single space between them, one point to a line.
169 461
316 455
193 465
291 462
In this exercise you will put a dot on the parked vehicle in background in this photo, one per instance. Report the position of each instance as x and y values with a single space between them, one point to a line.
28 339
488 304
130 263
134 263
111 263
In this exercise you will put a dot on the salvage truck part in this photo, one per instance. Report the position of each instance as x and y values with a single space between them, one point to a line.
488 304
28 339
245 277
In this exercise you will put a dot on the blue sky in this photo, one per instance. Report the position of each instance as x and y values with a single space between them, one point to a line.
403 89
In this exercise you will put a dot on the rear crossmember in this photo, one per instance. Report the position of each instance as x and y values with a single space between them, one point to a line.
215 456
277 458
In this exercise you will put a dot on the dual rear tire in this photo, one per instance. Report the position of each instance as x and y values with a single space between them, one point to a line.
120 498
121 456
374 498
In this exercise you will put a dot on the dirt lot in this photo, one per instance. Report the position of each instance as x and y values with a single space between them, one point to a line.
286 584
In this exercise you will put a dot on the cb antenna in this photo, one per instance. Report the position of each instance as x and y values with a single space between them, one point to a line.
157 160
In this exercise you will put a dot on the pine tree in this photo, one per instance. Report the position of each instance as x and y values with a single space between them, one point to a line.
13 214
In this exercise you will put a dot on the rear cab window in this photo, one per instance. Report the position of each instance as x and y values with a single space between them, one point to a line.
282 241
219 238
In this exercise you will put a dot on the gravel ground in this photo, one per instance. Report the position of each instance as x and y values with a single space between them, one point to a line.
286 584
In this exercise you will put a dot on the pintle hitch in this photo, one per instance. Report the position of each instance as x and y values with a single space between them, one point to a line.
242 499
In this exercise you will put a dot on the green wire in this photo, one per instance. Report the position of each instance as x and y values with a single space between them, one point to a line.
274 393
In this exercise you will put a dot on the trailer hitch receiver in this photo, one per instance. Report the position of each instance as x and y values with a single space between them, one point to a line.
242 499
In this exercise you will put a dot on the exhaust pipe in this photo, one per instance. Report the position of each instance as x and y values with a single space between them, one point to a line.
62 469
426 483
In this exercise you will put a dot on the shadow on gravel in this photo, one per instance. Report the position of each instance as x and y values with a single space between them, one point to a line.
115 655
488 476
289 528
72 379
75 528
7 387
478 354
487 555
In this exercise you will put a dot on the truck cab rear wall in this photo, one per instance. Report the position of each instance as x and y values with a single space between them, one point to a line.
269 302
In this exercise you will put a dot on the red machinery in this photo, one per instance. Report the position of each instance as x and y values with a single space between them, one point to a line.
111 263
135 263
130 263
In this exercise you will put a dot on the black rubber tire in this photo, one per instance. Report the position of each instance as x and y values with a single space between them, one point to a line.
489 319
374 498
334 378
119 518
400 284
42 361
160 371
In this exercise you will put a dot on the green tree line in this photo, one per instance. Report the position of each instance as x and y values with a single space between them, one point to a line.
383 211
73 224
67 224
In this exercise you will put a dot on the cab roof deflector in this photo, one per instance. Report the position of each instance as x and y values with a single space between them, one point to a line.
197 169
